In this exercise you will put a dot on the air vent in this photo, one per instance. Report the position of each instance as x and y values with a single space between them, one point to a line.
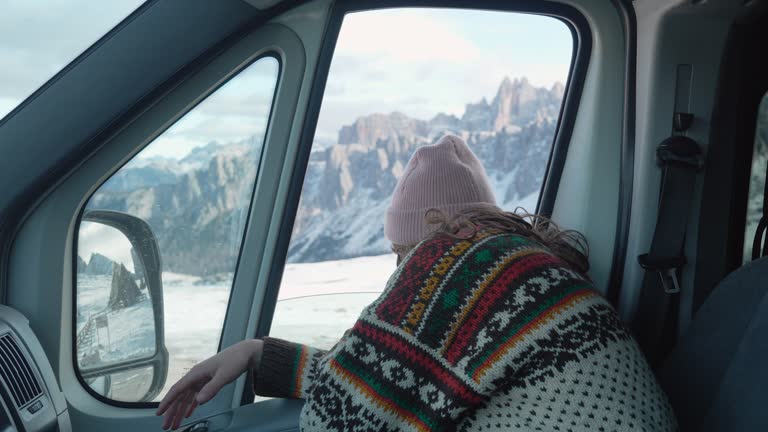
16 372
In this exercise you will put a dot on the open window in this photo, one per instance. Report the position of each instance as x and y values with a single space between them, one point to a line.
399 79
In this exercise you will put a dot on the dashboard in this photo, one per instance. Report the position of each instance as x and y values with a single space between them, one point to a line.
30 397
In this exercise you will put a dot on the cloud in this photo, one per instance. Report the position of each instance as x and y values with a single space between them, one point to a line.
416 61
199 129
403 36
105 240
422 62
237 110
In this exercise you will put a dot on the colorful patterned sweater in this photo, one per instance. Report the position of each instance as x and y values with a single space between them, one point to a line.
489 334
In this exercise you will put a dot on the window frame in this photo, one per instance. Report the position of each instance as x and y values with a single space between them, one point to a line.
627 155
580 58
269 53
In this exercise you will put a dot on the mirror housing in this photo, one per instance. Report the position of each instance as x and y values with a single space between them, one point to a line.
144 243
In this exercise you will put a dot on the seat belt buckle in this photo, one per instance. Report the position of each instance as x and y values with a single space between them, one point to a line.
666 268
672 275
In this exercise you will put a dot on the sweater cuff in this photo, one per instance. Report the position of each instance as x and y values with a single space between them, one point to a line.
285 369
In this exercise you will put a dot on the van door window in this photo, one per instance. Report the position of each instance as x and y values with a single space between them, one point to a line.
400 79
185 196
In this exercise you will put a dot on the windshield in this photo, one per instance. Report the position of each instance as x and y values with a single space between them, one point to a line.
38 39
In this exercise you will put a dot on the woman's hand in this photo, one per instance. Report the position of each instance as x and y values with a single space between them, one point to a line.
202 383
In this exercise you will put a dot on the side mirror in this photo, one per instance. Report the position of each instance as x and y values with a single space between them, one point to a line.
121 352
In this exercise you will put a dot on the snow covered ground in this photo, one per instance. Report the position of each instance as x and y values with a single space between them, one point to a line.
362 274
316 304
120 335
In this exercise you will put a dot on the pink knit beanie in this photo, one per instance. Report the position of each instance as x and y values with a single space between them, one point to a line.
446 176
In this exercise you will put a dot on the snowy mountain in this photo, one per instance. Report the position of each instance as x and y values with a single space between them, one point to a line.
198 215
98 265
347 186
198 221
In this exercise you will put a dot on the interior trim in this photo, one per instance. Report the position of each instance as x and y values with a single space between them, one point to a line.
627 164
297 181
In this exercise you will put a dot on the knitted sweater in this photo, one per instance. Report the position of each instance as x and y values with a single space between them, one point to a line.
494 333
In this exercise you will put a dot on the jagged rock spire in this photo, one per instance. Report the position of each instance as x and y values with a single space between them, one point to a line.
124 291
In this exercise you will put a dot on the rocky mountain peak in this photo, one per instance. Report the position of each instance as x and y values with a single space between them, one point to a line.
515 103
202 153
509 86
368 130
98 264
123 290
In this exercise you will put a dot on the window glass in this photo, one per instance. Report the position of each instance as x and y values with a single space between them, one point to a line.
400 79
37 39
191 190
757 179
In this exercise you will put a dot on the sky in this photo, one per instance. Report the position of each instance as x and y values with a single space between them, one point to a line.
425 61
105 240
417 61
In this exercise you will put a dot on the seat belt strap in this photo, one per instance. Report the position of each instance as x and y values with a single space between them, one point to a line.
680 159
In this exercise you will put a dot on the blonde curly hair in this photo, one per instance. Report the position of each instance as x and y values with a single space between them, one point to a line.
571 246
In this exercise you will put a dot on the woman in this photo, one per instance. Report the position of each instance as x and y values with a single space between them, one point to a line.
489 323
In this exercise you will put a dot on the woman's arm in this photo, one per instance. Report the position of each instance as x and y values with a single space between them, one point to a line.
206 379
284 369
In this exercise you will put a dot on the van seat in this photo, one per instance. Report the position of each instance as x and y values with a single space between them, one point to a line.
717 375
